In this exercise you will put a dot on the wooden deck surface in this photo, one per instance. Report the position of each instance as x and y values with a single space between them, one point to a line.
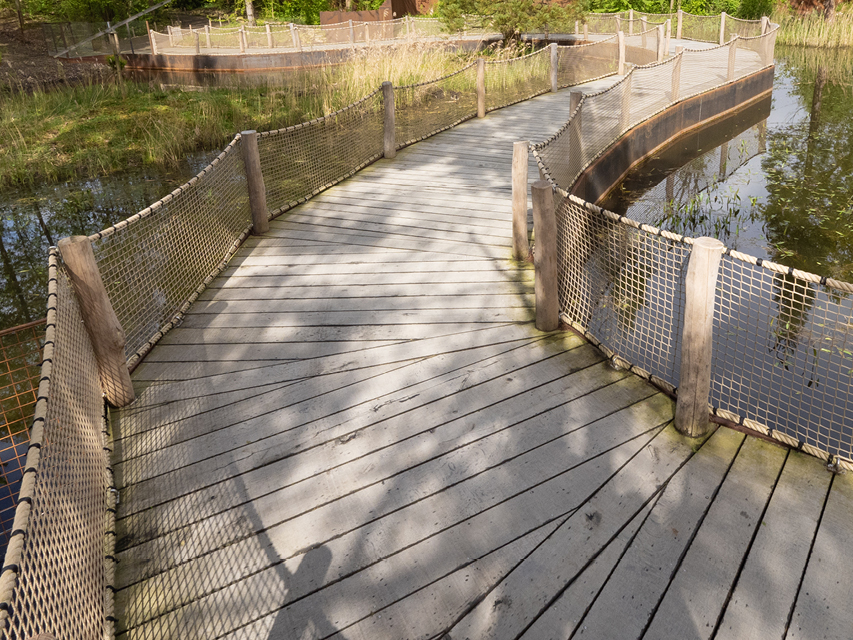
358 433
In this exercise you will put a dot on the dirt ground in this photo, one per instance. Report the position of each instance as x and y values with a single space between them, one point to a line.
25 64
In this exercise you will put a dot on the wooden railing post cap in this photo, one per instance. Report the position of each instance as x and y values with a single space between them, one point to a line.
540 185
708 244
249 132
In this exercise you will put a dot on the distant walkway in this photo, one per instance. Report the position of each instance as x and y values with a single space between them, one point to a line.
360 434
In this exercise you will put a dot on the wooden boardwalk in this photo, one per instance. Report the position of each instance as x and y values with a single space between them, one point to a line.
358 433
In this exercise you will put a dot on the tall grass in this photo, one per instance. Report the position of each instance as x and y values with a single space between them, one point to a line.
102 128
811 30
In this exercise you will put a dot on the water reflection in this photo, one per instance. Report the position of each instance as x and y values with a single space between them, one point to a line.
34 218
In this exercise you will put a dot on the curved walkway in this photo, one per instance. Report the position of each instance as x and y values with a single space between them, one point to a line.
360 434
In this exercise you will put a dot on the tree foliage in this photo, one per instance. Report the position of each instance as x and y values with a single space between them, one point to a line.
510 17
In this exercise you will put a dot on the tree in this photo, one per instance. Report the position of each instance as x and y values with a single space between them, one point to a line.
509 17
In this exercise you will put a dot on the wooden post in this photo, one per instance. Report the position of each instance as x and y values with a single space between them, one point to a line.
732 54
269 36
99 319
545 257
630 22
241 36
352 33
697 341
644 26
577 27
625 111
668 37
676 73
255 182
765 24
618 23
723 28
152 41
481 88
197 42
366 33
207 35
520 243
678 26
659 36
555 67
390 141
585 32
620 38
171 38
575 138
295 35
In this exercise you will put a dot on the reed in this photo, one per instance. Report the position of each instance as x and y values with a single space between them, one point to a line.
811 30
97 129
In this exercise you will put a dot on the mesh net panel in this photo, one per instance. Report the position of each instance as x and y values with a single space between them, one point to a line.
143 260
604 23
623 285
430 107
62 581
511 81
642 47
300 161
585 62
700 28
742 28
783 353
20 370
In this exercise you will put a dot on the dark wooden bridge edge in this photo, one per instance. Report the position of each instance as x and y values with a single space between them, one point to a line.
681 119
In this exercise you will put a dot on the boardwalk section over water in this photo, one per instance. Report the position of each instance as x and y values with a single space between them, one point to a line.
356 432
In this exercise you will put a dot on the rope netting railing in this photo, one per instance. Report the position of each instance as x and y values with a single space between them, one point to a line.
519 79
586 62
211 39
59 561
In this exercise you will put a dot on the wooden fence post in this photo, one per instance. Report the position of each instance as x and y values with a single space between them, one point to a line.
625 111
269 37
390 143
668 26
676 73
618 23
644 26
255 182
207 36
577 27
99 319
241 36
620 38
659 36
295 35
555 67
520 242
151 40
630 22
678 26
171 37
351 33
697 341
732 54
765 24
545 257
481 88
585 32
723 28
197 42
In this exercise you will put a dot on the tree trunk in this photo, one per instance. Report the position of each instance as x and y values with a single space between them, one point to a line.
829 10
814 117
250 12
20 15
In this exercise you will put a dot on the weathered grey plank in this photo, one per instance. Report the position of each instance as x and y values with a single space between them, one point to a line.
763 599
823 604
694 600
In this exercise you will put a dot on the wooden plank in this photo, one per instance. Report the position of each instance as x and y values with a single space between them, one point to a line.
289 431
694 600
639 581
262 274
764 596
517 601
550 481
561 619
470 290
823 604
368 459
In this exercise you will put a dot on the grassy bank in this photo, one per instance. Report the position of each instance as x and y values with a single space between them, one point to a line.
103 128
811 30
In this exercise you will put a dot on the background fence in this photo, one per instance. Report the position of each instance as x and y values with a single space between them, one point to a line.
58 570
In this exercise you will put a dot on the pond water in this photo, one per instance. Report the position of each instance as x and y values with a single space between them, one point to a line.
776 185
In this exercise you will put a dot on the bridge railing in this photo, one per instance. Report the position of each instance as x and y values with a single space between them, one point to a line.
58 572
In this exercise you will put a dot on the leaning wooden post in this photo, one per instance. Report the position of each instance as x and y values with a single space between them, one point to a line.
765 24
620 38
676 73
255 182
697 338
625 110
481 88
545 257
555 67
659 34
390 143
723 28
678 26
520 243
99 319
732 54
